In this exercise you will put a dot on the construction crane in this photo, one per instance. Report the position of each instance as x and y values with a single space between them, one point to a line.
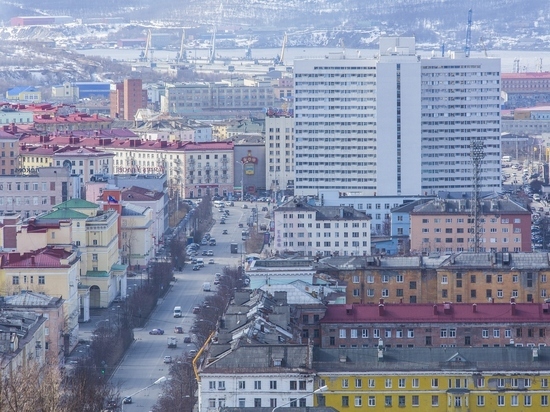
280 59
482 41
181 56
468 35
148 47
212 54
343 47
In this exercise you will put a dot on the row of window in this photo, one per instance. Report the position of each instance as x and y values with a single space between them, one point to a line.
456 400
15 280
461 220
293 385
457 383
443 333
257 403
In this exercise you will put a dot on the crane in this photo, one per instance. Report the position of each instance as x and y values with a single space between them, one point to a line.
482 41
148 47
280 59
181 56
343 46
468 35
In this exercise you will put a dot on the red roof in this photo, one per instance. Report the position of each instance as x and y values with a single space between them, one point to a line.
44 258
543 75
418 313
209 146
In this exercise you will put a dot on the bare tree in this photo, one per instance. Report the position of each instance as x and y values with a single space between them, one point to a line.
179 391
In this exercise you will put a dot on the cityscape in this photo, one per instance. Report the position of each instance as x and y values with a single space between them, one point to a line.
274 206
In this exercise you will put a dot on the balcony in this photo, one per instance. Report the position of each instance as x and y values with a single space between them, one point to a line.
177 161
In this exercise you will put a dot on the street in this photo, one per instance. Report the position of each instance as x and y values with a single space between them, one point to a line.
143 363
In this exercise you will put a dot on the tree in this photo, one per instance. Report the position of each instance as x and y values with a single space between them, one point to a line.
178 393
177 252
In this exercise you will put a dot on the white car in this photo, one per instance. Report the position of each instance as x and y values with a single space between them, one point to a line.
210 261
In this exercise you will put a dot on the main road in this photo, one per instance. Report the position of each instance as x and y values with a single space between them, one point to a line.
143 363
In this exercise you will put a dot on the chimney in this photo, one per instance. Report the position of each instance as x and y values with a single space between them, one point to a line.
535 354
400 300
33 260
435 309
474 308
447 308
513 305
381 308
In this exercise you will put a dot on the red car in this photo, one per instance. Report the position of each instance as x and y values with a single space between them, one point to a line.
178 329
156 332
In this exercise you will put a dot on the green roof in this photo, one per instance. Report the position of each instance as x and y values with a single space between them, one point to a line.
63 214
97 274
119 268
76 204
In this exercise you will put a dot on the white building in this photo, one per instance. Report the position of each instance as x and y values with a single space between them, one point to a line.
279 147
397 124
321 230
279 272
255 376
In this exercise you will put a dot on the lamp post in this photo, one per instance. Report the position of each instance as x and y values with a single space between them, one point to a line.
319 390
242 179
159 380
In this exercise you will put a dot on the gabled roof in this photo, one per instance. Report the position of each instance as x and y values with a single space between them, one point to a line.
34 299
49 257
76 204
62 214
21 89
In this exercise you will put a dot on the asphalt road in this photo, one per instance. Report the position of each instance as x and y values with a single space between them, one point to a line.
143 363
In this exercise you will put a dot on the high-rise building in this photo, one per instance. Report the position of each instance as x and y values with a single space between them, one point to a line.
396 124
126 98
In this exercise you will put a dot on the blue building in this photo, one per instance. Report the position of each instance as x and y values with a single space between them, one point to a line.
74 91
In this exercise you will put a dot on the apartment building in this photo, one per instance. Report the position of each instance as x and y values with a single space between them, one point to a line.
435 379
9 154
350 113
126 98
55 122
320 230
189 98
445 226
279 149
435 325
459 277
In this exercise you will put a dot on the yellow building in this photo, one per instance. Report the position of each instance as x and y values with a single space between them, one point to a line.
438 379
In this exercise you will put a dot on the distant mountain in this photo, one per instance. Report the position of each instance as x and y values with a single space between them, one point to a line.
430 21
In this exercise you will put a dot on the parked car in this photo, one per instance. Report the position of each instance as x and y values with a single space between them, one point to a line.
210 253
204 253
167 359
127 399
212 242
156 331
264 209
240 225
197 267
187 339
224 232
196 309
193 352
245 206
204 242
178 329
211 261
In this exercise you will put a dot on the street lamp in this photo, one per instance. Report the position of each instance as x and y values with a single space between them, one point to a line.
319 390
242 179
158 381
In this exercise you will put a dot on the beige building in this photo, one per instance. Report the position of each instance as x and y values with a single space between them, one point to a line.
445 226
53 270
279 152
137 229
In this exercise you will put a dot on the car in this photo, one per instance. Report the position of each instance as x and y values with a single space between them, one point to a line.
217 275
212 242
210 261
196 309
178 329
207 236
264 209
187 339
193 352
127 400
197 267
210 253
245 206
216 282
167 359
204 253
226 212
204 242
240 225
225 232
156 331
222 222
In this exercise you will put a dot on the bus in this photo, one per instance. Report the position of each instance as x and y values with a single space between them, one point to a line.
506 159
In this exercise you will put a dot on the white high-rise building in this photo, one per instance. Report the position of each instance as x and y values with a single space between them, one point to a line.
397 124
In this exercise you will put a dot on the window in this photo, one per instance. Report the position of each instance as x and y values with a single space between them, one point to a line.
15 280
415 383
444 280
544 400
358 401
514 400
376 333
258 385
435 400
354 333
496 333
415 400
371 383
364 333
242 384
526 400
221 385
544 383
372 401
410 333
480 400
345 383
272 384
257 402
41 280
401 400
388 383
401 382
358 383
500 400
412 284
342 333
501 382
345 400
435 382
387 401
212 385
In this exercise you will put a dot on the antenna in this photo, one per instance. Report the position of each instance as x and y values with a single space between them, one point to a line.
477 153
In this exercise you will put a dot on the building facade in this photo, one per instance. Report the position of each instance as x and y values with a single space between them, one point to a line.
445 226
279 149
320 230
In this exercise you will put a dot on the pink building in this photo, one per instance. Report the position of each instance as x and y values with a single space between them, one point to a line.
446 226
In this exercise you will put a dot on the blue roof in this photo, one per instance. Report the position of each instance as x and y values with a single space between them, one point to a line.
21 89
